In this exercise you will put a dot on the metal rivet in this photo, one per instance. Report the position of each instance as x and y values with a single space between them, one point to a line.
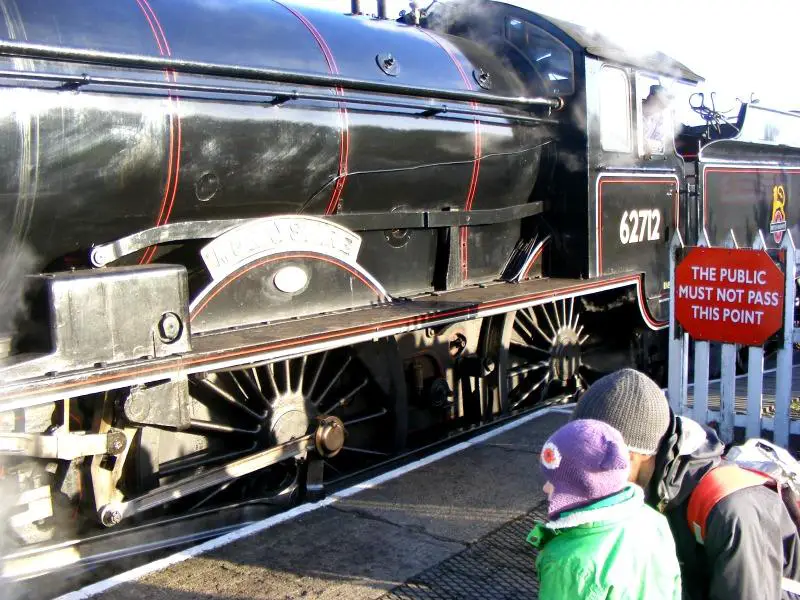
169 327
387 63
483 77
207 186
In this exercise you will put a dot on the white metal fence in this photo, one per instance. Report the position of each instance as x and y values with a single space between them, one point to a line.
753 419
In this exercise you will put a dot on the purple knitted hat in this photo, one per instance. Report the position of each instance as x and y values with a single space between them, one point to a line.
585 460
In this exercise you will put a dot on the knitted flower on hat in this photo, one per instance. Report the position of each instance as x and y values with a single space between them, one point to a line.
584 461
551 457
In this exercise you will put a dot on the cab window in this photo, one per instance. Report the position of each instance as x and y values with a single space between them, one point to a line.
655 119
615 110
549 58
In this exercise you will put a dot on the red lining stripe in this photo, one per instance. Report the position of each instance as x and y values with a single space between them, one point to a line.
158 24
598 216
476 163
349 332
152 27
706 170
344 135
643 307
533 261
175 128
234 276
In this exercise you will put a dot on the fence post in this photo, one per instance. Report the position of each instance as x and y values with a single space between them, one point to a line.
677 389
727 401
701 360
783 374
755 373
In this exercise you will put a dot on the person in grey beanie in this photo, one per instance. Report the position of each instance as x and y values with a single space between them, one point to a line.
751 545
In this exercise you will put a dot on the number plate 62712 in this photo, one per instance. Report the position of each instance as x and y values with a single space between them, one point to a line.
638 226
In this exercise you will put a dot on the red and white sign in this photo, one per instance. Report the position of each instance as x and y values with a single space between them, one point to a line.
729 296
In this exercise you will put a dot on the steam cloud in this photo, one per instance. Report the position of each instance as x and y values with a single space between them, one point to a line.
16 262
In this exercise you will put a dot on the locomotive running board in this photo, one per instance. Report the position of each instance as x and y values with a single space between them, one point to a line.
266 343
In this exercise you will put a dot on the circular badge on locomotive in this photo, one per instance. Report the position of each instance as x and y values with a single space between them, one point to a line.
290 280
778 223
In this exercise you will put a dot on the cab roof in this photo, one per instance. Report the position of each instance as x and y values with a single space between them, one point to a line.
590 42
599 46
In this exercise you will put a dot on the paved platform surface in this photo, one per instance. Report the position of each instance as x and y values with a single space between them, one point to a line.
454 528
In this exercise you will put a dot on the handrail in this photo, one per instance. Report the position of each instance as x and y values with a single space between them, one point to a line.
140 61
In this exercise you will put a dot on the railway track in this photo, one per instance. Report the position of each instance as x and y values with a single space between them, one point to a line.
68 565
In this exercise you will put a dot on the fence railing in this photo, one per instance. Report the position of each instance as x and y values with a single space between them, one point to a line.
753 419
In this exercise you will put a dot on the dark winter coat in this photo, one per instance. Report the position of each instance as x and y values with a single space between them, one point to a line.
751 541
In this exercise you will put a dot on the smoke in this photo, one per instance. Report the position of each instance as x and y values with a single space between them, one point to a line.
450 16
17 261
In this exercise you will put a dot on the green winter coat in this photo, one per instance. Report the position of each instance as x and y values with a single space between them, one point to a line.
617 549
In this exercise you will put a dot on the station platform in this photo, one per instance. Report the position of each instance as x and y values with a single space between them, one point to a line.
453 526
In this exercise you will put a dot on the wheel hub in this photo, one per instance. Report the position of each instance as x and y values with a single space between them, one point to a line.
289 421
330 436
565 354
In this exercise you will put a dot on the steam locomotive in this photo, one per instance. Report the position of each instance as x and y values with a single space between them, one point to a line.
251 244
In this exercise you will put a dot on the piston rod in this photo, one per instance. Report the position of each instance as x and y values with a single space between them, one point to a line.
112 514
326 440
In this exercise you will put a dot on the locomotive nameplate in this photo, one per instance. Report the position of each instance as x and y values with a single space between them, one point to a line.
274 235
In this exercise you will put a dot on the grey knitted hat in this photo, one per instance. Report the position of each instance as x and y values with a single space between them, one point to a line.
632 403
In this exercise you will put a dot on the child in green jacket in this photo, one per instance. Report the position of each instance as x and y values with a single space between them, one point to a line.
601 540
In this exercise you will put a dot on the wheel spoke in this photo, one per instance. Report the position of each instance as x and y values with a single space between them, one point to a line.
209 426
523 332
287 374
522 370
549 322
332 382
571 312
246 395
271 377
533 388
230 399
529 352
533 321
299 388
376 415
316 375
258 383
328 465
364 451
581 382
345 399
244 376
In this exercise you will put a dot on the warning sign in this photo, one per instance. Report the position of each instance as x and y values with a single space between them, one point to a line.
730 296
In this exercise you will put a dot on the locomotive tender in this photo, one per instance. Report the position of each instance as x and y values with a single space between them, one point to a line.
250 237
